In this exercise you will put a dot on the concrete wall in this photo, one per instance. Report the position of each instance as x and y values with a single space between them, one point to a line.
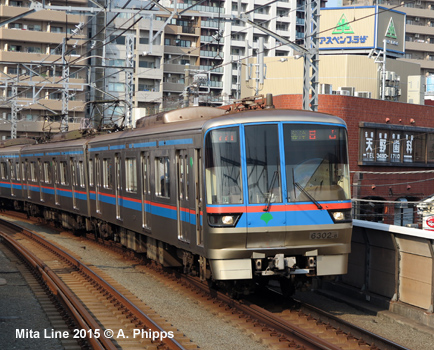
394 262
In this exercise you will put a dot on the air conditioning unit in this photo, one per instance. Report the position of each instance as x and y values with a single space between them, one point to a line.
387 91
417 19
169 75
417 35
350 89
364 94
342 92
325 89
398 92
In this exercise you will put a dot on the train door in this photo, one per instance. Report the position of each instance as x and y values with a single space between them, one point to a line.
182 203
97 183
118 185
198 181
56 182
73 181
146 190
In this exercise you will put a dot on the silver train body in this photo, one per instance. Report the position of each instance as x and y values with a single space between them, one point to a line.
229 196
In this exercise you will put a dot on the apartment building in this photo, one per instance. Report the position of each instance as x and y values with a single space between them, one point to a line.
32 50
226 44
419 30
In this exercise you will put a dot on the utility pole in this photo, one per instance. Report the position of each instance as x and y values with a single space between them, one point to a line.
187 86
129 80
65 90
14 109
311 58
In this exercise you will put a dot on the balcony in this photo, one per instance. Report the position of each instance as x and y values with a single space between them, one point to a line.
33 36
43 15
24 57
419 46
173 87
178 50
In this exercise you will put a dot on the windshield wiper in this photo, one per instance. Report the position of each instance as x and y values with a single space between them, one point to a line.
273 180
319 206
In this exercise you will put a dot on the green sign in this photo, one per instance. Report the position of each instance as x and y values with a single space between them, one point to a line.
343 27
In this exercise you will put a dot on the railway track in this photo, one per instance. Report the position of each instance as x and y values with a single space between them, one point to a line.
307 329
105 316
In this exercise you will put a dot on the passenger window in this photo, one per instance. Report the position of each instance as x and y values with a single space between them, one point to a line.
4 171
91 172
63 173
131 174
162 177
107 177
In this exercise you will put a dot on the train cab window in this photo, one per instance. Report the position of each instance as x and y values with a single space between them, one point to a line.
223 166
263 164
47 172
316 162
107 173
131 174
4 170
162 177
63 173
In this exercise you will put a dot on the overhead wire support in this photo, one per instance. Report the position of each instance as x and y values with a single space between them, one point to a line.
311 57
129 80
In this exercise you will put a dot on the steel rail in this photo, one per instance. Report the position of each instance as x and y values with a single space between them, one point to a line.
136 313
81 316
299 335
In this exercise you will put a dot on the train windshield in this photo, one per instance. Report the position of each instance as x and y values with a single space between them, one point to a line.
316 162
223 167
313 158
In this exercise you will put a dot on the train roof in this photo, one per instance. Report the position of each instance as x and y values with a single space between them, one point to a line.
204 122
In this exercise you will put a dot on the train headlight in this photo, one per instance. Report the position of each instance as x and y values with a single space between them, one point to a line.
228 220
223 220
339 216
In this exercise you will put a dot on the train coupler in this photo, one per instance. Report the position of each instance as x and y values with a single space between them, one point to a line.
283 266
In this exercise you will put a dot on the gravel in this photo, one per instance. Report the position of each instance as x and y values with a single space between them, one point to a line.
208 330
17 302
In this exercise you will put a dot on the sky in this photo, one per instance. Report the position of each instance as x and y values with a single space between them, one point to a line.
334 3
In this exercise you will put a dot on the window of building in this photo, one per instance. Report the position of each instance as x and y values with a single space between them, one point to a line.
34 27
15 48
15 26
162 177
131 174
116 87
33 49
56 29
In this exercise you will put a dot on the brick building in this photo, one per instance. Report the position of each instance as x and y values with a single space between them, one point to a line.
391 153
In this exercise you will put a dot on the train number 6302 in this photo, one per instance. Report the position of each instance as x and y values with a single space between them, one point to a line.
324 235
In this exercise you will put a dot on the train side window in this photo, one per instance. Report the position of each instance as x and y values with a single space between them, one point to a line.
107 173
146 173
41 171
63 173
80 172
162 177
4 171
32 172
91 172
131 174
18 170
12 167
47 172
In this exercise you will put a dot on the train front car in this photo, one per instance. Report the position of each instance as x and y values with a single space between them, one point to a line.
277 196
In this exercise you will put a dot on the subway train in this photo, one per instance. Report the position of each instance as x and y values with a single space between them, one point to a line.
237 198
